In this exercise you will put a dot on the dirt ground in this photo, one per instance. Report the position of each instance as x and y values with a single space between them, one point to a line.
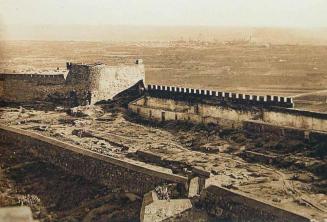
296 181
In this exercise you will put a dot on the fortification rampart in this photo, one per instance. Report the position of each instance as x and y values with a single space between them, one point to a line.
85 84
239 98
29 87
43 79
126 174
162 109
206 106
101 82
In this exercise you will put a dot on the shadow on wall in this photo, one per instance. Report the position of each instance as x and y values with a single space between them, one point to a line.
125 97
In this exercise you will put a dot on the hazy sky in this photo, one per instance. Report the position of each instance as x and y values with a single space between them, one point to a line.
280 13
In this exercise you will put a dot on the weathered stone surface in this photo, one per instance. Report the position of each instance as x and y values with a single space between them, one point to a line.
16 214
148 198
174 210
232 205
200 172
161 210
194 187
148 156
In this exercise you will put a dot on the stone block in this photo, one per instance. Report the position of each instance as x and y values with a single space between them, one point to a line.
16 214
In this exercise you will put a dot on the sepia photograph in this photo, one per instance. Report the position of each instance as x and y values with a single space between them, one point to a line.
163 111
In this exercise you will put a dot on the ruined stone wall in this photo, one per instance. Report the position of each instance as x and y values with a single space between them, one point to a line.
168 109
296 118
234 206
126 174
253 126
27 88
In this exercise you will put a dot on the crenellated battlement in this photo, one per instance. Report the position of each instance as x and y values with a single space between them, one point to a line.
31 76
175 92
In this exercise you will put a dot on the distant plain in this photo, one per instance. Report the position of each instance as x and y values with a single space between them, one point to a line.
254 68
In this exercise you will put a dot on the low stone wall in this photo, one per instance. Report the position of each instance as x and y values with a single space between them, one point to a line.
253 126
296 118
234 206
172 110
161 109
131 176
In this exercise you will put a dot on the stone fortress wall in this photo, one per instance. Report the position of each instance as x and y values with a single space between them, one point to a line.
163 103
87 83
29 87
103 82
239 98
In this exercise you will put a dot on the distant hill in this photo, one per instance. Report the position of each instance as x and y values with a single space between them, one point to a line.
165 33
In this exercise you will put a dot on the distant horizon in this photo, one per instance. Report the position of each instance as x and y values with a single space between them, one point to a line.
143 33
177 25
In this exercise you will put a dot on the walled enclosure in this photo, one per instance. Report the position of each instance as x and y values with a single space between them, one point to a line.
84 83
161 109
